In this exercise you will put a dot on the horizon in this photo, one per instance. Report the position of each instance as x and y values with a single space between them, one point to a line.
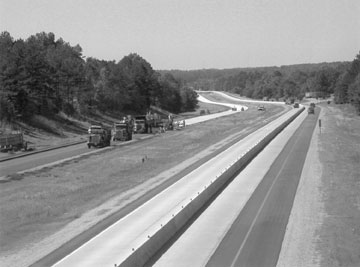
194 35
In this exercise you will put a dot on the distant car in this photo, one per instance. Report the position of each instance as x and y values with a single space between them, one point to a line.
261 108
296 105
312 105
311 110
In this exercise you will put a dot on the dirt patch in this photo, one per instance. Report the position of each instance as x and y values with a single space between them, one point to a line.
324 227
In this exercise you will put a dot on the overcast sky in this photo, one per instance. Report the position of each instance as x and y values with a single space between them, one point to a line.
195 34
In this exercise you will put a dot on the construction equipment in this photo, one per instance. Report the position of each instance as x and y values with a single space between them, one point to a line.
146 123
162 118
122 131
12 141
140 125
98 136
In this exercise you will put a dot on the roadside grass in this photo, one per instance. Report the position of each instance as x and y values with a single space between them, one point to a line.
46 200
339 235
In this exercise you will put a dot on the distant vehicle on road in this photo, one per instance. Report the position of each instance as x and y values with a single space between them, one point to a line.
311 110
296 105
261 108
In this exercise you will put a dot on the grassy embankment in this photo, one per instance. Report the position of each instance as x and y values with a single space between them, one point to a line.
339 152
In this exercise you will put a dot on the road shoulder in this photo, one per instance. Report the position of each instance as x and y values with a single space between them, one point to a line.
306 215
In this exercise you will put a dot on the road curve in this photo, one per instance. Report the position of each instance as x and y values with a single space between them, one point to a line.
243 99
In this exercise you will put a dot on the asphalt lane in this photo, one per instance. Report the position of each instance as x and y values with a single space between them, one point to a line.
256 236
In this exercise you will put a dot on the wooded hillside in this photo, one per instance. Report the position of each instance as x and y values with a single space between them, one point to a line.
42 75
339 78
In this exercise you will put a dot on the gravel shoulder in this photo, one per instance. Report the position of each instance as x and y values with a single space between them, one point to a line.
324 225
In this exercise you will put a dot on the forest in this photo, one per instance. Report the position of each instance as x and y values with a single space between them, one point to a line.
45 76
342 79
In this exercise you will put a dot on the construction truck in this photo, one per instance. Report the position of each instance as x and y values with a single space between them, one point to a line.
122 131
98 136
154 118
12 141
140 125
162 118
311 110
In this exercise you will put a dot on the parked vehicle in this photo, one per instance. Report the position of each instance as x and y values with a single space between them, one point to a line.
98 136
13 141
122 131
140 125
261 108
146 123
296 105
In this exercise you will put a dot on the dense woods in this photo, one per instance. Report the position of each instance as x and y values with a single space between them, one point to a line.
42 75
319 80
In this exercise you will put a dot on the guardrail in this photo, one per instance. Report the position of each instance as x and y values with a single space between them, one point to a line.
170 226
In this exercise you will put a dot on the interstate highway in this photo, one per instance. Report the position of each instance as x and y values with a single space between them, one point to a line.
115 244
239 231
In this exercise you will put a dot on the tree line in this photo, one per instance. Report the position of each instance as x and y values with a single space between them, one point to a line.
42 75
342 79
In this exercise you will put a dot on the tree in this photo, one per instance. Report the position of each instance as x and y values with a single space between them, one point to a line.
188 99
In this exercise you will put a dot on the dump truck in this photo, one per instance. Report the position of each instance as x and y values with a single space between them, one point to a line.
140 125
98 136
13 141
122 131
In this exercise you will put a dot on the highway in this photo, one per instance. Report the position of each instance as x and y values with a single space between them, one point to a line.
42 159
109 250
256 236
237 230
129 234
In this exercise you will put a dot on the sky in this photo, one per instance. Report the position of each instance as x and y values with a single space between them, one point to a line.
195 34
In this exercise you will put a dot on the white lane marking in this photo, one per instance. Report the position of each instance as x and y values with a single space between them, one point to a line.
261 207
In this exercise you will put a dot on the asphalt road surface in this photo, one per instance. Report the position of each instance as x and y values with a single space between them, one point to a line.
256 236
